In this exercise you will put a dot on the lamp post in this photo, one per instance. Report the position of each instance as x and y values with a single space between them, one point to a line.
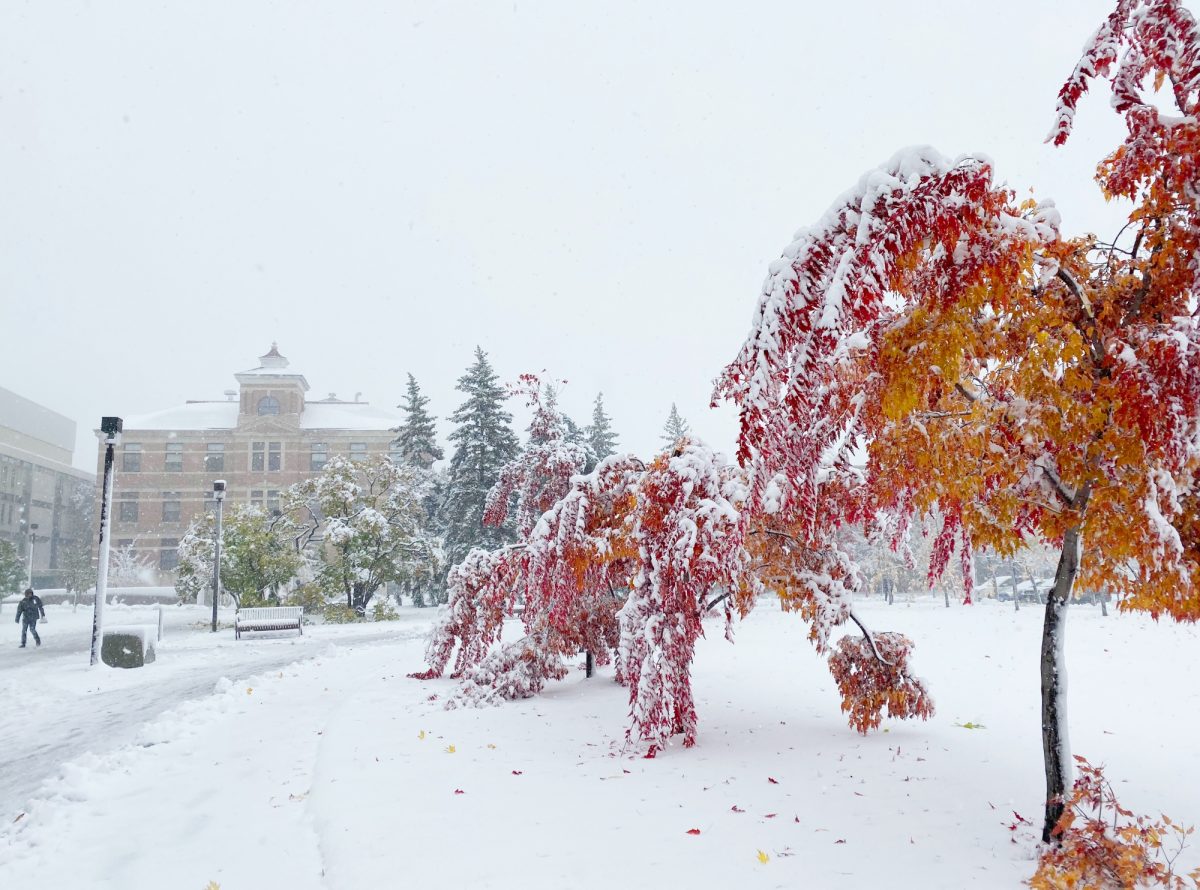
33 527
110 429
219 496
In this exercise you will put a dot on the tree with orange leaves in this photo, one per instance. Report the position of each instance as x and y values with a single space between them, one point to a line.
1018 382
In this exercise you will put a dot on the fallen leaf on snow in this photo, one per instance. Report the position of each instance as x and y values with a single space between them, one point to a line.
517 772
459 791
21 816
763 857
772 781
421 734
840 840
450 749
490 745
693 831
249 690
736 809
770 815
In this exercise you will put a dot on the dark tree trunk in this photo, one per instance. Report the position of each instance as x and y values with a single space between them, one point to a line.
1055 741
589 664
946 594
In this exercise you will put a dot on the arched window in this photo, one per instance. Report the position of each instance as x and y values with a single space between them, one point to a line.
268 405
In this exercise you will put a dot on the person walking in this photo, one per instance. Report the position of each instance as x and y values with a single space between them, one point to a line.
29 610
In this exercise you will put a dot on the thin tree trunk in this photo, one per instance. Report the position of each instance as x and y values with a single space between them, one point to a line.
1103 603
1056 743
1012 565
589 664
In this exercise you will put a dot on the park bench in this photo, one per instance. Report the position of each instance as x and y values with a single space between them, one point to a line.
272 618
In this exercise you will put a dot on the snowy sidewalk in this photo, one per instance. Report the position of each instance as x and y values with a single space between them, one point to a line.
340 773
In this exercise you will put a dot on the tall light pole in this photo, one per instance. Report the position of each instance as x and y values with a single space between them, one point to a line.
219 496
110 429
33 527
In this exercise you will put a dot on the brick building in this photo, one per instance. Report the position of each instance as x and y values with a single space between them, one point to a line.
263 437
39 487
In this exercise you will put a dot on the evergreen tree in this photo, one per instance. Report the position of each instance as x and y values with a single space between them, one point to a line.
416 439
676 427
483 444
12 569
601 440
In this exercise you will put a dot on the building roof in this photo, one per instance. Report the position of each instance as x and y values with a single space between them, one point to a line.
224 416
37 421
272 364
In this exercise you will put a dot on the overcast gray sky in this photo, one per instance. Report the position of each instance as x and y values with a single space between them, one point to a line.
594 189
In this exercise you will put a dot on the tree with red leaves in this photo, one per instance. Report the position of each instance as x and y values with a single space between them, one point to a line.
1017 382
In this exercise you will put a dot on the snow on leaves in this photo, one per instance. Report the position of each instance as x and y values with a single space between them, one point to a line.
872 676
690 538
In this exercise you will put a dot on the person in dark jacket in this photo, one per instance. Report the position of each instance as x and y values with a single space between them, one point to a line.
29 610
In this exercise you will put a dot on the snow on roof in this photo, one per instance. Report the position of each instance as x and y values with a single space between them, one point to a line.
346 416
192 416
224 416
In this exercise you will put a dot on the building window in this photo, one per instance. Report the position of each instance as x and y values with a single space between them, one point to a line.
129 507
272 502
318 456
358 451
131 458
168 557
274 456
172 506
256 498
174 460
258 456
268 405
214 457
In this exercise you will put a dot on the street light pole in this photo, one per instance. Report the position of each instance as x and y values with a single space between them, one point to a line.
219 495
110 428
33 527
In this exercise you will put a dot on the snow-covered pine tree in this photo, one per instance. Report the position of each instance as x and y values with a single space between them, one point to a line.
676 427
483 444
416 437
601 440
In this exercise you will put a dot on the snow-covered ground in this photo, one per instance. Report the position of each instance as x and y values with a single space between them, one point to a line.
338 772
56 708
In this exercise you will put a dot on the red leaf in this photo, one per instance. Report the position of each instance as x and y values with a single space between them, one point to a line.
840 841
770 815
796 819
459 791
517 772
735 808
693 831
772 781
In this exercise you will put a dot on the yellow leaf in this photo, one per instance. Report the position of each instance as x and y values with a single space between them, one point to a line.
249 689
490 745
421 734
763 857
449 749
